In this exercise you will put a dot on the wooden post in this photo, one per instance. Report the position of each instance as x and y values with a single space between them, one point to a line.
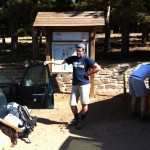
125 85
92 55
48 35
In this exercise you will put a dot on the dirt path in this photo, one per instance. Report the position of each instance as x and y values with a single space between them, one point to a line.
108 127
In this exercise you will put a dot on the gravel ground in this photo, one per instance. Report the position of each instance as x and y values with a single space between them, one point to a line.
108 126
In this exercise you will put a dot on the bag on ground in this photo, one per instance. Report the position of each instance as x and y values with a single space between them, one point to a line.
27 122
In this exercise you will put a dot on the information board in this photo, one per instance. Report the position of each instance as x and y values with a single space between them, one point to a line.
63 50
70 36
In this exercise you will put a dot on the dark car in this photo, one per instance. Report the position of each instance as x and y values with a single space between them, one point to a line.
35 89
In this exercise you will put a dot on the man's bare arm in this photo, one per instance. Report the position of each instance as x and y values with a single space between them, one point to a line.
95 69
56 62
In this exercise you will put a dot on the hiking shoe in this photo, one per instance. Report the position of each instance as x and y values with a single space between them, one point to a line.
80 124
74 122
145 119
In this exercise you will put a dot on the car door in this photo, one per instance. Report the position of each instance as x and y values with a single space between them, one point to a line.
9 87
36 87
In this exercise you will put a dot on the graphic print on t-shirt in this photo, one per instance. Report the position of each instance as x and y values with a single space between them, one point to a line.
78 64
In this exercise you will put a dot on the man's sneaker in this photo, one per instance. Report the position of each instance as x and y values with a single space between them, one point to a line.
74 122
80 124
145 119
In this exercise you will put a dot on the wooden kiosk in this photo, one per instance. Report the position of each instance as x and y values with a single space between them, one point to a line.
63 30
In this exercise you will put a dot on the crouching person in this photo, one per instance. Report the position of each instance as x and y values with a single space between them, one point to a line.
8 133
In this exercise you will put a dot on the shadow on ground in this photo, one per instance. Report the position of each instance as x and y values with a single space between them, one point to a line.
109 126
48 121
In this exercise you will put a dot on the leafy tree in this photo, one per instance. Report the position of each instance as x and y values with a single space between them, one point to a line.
143 19
127 12
20 14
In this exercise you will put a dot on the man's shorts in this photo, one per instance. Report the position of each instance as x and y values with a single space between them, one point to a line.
137 87
80 91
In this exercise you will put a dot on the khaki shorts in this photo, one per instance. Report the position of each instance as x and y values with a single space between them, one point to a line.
80 91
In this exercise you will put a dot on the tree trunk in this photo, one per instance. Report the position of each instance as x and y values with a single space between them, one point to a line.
14 40
40 37
34 35
125 36
35 44
107 38
3 39
145 34
107 28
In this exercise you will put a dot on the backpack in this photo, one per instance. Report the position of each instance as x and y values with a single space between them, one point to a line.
25 121
29 122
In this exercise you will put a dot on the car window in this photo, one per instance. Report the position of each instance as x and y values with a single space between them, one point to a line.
4 79
36 75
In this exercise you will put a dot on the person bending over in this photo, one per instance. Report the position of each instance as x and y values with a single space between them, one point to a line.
137 88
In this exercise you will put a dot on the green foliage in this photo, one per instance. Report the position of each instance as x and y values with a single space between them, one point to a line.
21 32
143 18
23 12
136 11
84 5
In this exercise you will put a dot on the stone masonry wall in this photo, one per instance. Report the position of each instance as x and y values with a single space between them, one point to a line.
106 81
14 70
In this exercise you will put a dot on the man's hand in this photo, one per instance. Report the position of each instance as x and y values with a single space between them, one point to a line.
88 73
46 62
57 62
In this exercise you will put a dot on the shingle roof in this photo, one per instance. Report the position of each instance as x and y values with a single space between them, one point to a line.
86 18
